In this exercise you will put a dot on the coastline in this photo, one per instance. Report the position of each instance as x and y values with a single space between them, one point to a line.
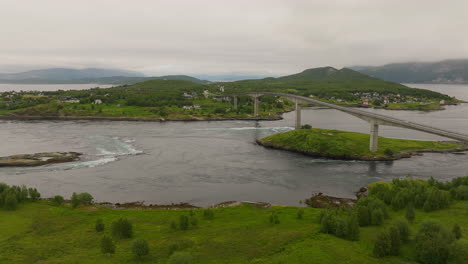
397 156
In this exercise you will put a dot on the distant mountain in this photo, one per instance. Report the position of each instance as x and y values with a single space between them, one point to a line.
447 71
324 74
88 75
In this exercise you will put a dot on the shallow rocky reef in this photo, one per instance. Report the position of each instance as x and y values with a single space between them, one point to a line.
38 159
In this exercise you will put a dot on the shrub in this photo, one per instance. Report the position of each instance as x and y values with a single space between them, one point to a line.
432 243
58 200
377 217
353 228
173 225
85 198
274 219
183 222
74 200
341 228
461 192
395 241
388 152
11 201
193 221
363 215
107 246
458 253
306 126
99 225
300 214
34 194
140 248
456 230
403 228
180 258
208 214
382 245
122 228
410 213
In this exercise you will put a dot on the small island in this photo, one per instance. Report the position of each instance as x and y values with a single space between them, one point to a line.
38 159
336 144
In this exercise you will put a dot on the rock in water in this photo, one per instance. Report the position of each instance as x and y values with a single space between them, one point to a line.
38 159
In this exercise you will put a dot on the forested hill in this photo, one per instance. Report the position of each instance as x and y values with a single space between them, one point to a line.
327 82
448 71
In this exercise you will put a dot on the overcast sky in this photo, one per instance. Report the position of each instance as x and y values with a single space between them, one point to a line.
264 37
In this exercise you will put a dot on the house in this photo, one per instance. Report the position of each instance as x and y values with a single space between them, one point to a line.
196 106
386 101
206 93
365 102
68 99
221 89
442 102
187 107
187 96
97 101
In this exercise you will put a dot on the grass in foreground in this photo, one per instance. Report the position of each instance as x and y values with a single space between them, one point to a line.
41 233
343 144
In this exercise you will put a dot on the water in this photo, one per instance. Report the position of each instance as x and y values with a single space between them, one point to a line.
209 162
6 87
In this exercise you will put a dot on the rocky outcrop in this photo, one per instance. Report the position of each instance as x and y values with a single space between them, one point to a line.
38 159
324 201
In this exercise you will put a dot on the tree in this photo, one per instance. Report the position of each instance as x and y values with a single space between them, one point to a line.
377 217
432 242
75 201
107 246
353 228
382 245
122 228
99 225
388 152
341 228
363 215
274 219
395 241
403 228
410 214
140 248
11 201
183 222
180 258
34 194
456 230
58 200
85 198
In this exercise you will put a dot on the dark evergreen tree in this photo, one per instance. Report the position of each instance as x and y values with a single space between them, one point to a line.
122 228
140 248
382 245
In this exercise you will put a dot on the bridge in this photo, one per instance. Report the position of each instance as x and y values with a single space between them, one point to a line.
375 120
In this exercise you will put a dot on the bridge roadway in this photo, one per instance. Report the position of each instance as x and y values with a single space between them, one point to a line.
374 119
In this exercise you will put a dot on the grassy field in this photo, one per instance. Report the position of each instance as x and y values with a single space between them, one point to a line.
39 232
336 143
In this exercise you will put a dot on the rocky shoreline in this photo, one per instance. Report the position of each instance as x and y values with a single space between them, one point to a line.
397 156
38 159
147 119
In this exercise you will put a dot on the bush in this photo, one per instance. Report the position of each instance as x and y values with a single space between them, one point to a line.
458 253
140 248
122 228
363 215
456 230
353 228
432 243
461 192
180 258
377 217
183 222
74 200
403 228
382 245
11 201
274 219
300 214
341 228
395 241
208 214
85 198
99 225
34 194
58 200
410 213
107 246
306 126
388 152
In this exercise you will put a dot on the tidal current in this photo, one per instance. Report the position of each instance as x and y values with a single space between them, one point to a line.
204 163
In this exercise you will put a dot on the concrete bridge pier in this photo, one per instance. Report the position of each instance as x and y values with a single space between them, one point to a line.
235 102
374 136
256 102
298 115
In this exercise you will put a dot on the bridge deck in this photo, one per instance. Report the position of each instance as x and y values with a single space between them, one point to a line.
381 119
